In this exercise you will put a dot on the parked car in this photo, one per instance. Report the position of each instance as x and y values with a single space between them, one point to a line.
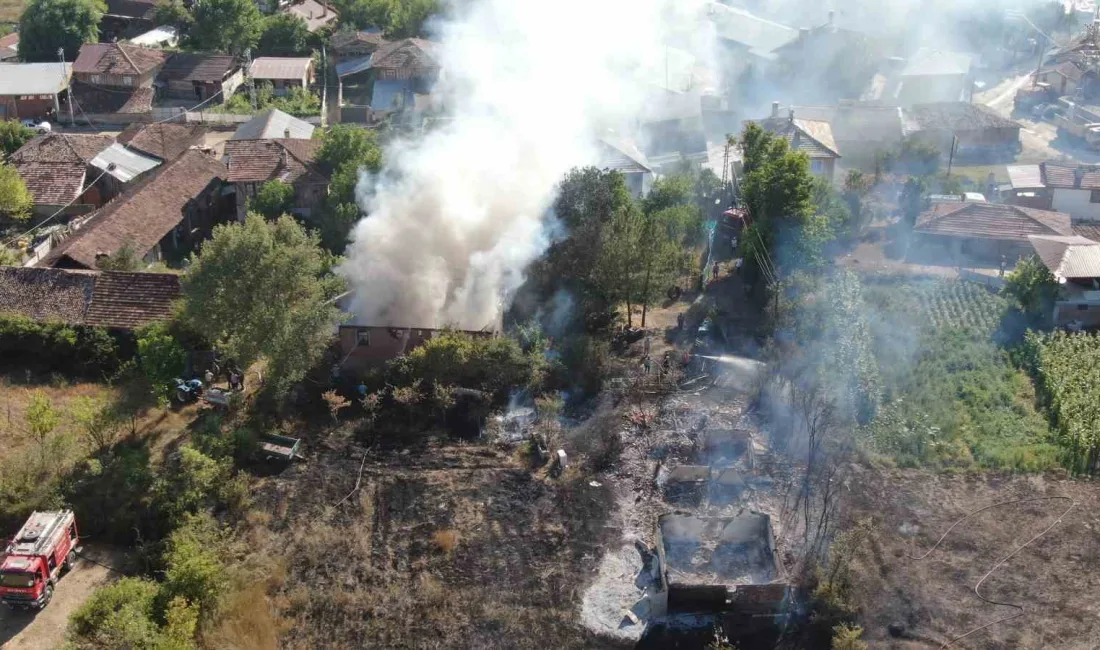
39 127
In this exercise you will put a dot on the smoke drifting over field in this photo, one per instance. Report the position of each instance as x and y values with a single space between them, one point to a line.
459 214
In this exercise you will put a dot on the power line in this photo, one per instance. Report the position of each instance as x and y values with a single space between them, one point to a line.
60 210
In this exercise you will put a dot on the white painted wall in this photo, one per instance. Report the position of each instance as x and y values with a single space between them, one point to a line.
1076 203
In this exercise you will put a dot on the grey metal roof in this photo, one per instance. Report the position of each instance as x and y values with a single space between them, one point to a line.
1068 257
280 67
128 164
1025 177
622 155
760 36
352 66
34 78
273 124
929 62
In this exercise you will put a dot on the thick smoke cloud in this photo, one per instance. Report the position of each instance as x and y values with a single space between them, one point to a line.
461 212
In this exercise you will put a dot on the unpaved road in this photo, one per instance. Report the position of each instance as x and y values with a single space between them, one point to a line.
46 629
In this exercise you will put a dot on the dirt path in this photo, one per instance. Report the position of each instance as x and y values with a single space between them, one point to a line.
46 629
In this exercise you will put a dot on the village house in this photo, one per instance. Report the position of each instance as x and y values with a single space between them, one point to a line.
811 137
252 163
115 78
670 128
1064 77
364 347
273 123
348 44
164 217
55 168
977 132
829 63
35 91
114 300
933 76
402 73
860 130
623 156
316 13
1075 263
164 141
9 47
986 231
750 43
1072 189
283 73
199 77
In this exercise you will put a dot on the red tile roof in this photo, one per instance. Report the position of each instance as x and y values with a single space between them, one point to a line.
991 221
165 141
258 161
54 165
117 59
357 41
409 57
142 217
1062 176
81 297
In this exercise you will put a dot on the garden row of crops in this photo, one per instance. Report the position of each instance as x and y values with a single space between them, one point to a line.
936 303
1067 366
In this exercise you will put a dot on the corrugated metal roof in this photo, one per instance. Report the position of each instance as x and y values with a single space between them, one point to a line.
760 36
280 67
352 66
34 78
1068 257
156 36
933 63
1025 177
273 124
622 155
128 164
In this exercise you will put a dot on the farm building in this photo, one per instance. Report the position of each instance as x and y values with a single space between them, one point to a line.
365 347
987 231
1073 189
274 124
164 141
1075 263
811 137
283 73
55 168
200 76
252 163
33 90
975 131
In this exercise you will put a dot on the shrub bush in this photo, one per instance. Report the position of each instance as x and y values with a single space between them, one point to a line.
117 616
73 350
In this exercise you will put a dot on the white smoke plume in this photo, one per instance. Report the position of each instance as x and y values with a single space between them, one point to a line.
458 215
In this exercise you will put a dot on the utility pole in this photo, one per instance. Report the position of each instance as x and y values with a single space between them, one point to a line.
68 86
248 77
951 158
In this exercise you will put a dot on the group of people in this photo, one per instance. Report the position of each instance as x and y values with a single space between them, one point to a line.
236 378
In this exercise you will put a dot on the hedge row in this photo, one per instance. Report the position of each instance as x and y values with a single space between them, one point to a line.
72 350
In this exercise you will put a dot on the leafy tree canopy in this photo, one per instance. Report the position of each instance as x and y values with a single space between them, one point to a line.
259 289
273 199
283 34
397 18
13 135
15 198
229 26
49 24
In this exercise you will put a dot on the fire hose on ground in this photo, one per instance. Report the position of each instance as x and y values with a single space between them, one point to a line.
1019 608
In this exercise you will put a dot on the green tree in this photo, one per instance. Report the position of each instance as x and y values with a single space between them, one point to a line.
397 18
117 616
258 290
346 151
10 257
160 357
175 14
13 135
41 416
50 24
96 421
195 572
274 199
126 259
229 26
1033 286
283 34
848 637
913 199
15 198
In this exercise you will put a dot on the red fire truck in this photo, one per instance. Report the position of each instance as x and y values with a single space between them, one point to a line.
43 549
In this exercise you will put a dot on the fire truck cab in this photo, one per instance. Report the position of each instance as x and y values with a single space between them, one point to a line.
43 549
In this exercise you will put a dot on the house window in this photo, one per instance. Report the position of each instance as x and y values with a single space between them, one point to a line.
817 166
362 337
1094 196
1082 307
95 78
127 81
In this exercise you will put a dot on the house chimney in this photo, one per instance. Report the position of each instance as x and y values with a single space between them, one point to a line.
832 15
311 14
324 9
790 115
775 109
1078 174
286 133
